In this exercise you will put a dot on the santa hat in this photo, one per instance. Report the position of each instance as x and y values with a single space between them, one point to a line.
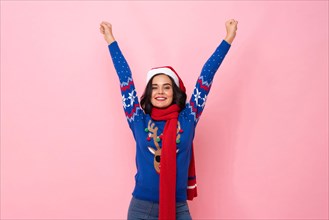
169 71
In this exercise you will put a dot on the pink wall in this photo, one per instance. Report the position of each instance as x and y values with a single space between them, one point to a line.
261 144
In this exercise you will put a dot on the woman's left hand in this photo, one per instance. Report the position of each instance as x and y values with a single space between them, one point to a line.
231 28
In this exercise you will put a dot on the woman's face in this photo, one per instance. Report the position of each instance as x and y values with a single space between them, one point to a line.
162 91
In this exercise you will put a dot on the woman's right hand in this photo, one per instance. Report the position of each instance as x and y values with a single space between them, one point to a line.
106 29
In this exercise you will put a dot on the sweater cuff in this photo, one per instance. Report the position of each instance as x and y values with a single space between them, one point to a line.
113 44
113 47
226 46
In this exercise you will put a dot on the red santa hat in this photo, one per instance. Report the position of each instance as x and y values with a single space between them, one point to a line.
169 71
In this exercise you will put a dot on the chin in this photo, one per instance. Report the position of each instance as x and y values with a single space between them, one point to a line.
161 105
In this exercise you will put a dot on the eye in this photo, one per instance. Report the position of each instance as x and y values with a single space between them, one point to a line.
154 88
167 87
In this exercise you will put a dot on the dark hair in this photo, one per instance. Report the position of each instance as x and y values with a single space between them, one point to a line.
179 97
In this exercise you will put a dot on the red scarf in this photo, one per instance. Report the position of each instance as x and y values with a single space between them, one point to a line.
167 203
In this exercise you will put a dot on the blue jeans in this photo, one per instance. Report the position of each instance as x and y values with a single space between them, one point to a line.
141 209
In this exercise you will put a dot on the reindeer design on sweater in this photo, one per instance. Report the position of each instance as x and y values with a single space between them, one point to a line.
153 134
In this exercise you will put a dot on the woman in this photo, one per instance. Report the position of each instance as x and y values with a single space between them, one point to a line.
163 126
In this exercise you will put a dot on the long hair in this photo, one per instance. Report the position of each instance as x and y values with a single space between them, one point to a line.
179 97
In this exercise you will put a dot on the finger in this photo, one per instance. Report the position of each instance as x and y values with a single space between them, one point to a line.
107 23
104 26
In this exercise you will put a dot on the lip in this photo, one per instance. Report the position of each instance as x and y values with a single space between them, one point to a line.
160 98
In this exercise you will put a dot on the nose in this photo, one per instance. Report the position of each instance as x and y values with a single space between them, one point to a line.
160 91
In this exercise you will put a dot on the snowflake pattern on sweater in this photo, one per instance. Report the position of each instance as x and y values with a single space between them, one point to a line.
147 178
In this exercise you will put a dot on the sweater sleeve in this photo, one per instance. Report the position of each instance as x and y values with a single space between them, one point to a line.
129 96
204 81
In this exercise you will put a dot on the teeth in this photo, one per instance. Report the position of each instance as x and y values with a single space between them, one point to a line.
160 99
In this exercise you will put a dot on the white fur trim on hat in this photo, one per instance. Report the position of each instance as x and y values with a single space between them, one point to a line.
163 70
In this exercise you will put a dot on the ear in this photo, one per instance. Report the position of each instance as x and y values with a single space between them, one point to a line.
151 150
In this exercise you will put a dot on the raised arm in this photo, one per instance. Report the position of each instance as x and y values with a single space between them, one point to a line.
129 96
203 84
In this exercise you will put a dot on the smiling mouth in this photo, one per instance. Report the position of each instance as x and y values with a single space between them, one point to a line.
160 98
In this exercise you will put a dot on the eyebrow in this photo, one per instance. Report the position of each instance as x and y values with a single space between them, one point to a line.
166 84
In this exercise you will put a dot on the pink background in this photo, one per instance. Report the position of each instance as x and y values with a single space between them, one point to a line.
261 144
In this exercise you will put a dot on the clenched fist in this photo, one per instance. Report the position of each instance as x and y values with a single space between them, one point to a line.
231 28
106 29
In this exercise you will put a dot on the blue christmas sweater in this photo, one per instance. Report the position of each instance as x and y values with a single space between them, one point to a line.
147 132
